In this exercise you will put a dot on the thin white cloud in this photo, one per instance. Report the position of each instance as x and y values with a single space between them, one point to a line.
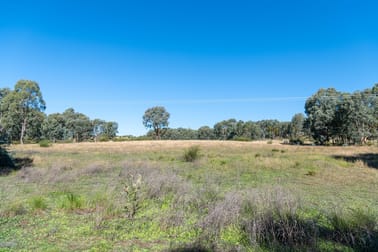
196 101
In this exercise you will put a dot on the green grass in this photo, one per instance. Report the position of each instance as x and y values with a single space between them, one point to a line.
237 195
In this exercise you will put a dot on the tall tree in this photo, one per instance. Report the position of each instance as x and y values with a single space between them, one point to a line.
53 127
296 126
19 105
78 126
156 118
320 109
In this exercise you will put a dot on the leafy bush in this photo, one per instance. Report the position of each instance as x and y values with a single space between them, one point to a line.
44 143
191 154
297 141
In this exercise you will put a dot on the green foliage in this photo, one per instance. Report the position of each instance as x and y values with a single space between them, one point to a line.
38 203
44 143
133 193
21 109
192 153
342 118
156 118
71 201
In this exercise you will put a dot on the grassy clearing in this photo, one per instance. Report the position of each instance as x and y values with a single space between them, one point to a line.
143 196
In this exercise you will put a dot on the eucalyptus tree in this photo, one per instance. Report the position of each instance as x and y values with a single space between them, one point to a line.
296 126
205 133
156 118
226 129
320 109
78 126
54 127
19 107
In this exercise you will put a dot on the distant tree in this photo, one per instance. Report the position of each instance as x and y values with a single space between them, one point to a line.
270 129
54 128
342 118
205 133
18 107
98 128
156 118
320 109
111 129
226 129
78 126
296 126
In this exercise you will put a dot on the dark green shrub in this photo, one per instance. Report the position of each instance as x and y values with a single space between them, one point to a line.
191 154
297 141
44 143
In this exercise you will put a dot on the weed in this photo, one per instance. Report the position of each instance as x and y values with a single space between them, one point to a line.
71 201
192 153
274 221
38 203
132 191
223 213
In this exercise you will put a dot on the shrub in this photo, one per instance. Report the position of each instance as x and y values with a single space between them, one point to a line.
191 154
242 139
44 143
38 203
297 141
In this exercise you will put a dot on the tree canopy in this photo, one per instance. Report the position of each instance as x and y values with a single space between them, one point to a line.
156 118
22 117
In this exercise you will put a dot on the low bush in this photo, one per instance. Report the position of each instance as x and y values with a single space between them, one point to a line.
192 153
44 143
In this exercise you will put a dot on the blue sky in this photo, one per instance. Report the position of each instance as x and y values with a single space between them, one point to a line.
205 61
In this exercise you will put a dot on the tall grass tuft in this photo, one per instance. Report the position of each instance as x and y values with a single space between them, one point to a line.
71 201
192 153
38 203
358 230
273 220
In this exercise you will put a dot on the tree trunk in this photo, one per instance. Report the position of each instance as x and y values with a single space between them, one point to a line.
23 129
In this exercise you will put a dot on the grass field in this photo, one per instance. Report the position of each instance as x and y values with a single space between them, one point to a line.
228 196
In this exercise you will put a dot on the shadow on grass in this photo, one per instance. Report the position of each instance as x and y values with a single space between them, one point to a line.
9 164
370 159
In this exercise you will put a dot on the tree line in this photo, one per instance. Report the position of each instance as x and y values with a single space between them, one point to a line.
22 119
331 117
